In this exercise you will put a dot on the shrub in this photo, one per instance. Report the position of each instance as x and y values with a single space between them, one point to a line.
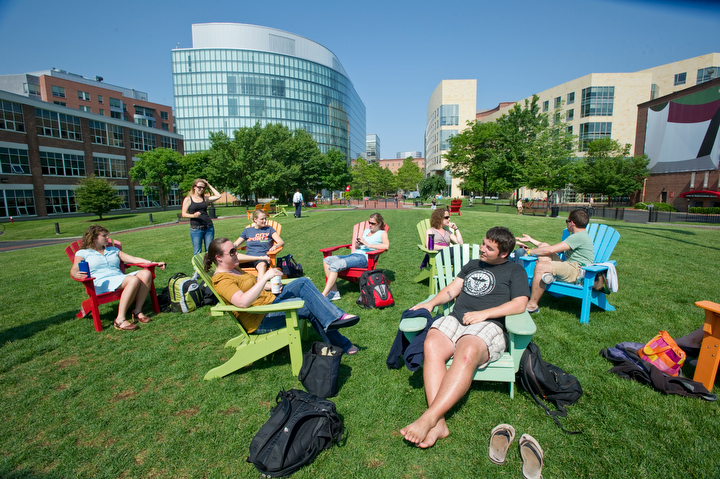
705 211
656 206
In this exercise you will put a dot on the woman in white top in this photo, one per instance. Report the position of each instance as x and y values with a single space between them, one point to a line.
374 238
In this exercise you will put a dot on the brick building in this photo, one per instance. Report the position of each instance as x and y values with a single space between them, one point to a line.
45 149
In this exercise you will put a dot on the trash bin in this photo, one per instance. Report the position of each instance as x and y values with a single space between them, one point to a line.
554 210
211 211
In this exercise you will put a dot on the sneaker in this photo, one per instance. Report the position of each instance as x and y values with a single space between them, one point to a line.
333 295
547 278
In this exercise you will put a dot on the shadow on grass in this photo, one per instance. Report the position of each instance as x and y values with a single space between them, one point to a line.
654 233
29 329
109 218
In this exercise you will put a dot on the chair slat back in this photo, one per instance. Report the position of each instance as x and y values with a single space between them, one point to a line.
604 239
450 261
422 228
198 263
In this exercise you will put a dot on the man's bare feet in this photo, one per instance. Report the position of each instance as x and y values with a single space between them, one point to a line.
417 431
438 432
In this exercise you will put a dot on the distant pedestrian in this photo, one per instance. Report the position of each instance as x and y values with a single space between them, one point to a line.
520 207
298 201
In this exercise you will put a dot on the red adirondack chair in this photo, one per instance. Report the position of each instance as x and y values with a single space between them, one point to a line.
455 206
353 274
94 300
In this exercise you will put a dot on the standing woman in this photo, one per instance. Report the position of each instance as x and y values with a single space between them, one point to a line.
443 231
195 207
374 238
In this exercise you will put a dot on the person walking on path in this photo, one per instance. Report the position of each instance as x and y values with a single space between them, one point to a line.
298 201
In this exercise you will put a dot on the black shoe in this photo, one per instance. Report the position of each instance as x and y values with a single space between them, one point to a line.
345 321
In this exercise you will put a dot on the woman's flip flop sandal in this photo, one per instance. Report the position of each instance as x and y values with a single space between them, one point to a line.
501 437
532 457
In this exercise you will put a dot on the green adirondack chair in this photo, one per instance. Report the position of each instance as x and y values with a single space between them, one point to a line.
520 327
252 347
429 271
604 239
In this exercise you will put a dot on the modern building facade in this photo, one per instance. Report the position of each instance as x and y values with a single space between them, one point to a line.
401 155
451 106
46 149
236 75
63 88
372 148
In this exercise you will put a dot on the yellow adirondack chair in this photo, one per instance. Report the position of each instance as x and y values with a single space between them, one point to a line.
252 347
520 327
429 271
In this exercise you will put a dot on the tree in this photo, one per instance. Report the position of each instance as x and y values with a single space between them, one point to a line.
385 180
609 169
337 173
361 175
158 171
432 185
193 166
409 175
474 157
96 195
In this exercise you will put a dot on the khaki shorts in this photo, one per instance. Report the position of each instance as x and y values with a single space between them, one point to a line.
489 332
565 271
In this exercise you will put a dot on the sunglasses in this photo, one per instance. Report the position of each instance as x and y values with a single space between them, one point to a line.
232 252
372 223
447 217
568 221
199 187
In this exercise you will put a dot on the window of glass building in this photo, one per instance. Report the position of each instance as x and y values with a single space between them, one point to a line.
593 131
444 137
449 115
83 95
100 98
62 164
570 114
597 101
143 201
12 116
116 103
163 115
545 106
98 132
17 203
60 201
167 142
570 98
14 160
125 195
58 125
558 102
680 78
58 91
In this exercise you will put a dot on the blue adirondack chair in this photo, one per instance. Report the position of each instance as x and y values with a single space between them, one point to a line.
520 327
604 239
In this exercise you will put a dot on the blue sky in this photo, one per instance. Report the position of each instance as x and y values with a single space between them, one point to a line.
395 52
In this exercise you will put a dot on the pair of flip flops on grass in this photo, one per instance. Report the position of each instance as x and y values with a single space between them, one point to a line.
502 437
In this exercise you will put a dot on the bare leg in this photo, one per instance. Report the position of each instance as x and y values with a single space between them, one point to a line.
444 388
143 289
542 266
261 267
692 340
331 280
130 285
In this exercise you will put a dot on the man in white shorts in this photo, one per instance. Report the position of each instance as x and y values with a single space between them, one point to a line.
485 290
579 252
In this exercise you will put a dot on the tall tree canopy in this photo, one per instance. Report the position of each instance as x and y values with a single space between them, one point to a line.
432 185
610 169
158 171
409 175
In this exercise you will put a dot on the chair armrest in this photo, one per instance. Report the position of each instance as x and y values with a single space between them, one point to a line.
424 249
595 268
520 324
219 309
329 251
377 252
528 258
709 306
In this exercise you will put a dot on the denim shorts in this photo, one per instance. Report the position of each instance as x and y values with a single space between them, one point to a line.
343 262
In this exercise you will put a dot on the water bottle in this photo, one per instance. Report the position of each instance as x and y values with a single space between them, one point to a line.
84 267
275 284
431 242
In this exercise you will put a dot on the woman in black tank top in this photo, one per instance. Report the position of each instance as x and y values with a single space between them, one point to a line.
195 207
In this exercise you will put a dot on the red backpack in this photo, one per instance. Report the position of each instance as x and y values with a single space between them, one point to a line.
375 290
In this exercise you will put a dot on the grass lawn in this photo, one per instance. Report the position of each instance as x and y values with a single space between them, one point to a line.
76 403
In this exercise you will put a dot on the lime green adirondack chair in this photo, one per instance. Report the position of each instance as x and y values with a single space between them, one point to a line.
429 271
520 327
252 347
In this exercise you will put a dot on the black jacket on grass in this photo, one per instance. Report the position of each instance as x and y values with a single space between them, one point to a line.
410 351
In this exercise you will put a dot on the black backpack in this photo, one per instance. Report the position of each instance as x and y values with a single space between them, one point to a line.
548 381
300 426
374 290
290 267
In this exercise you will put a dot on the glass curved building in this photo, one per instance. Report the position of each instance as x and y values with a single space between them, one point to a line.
236 75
